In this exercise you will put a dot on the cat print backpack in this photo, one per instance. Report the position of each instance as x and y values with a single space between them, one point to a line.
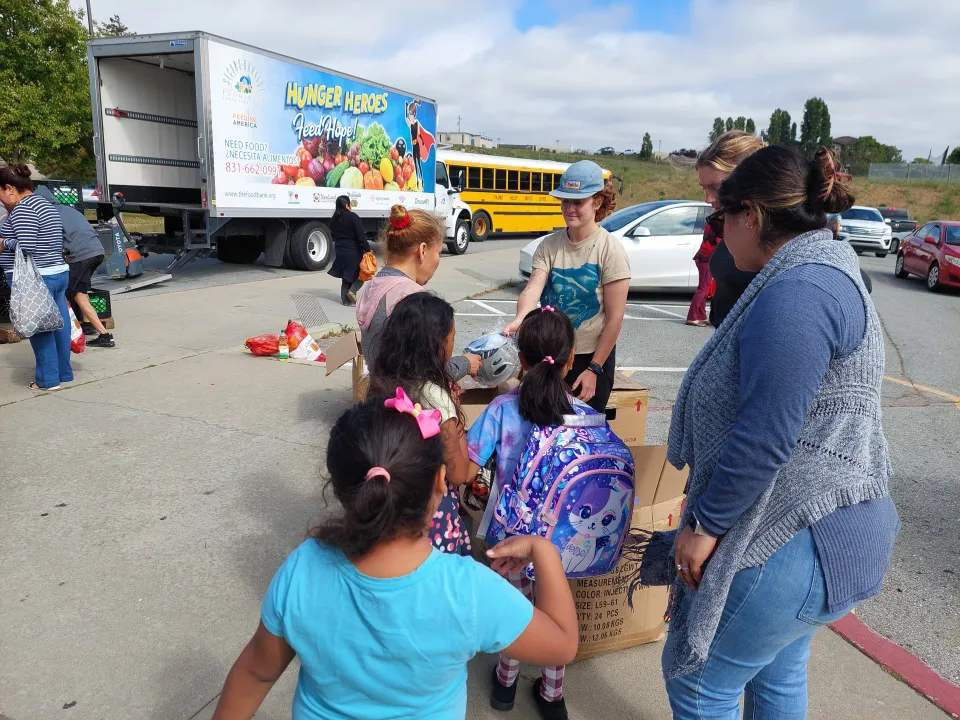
574 486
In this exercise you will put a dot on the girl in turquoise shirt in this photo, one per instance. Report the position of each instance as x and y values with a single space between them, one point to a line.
384 623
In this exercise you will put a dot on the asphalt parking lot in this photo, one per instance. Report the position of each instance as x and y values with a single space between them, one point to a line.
919 607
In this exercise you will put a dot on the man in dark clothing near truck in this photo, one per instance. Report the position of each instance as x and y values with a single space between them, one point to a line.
84 253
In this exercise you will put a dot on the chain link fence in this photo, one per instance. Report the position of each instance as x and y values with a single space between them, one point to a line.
912 171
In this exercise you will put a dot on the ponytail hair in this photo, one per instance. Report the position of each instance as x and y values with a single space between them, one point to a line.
382 473
406 230
343 204
17 176
546 341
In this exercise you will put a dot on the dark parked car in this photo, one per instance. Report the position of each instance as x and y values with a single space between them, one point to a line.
901 225
932 252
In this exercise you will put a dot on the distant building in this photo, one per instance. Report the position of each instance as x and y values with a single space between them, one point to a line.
539 148
467 139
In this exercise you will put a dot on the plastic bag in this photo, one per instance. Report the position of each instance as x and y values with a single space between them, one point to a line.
711 289
500 360
302 345
262 345
368 266
78 341
32 307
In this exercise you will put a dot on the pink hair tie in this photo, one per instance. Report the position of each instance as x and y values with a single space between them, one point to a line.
375 472
547 308
548 359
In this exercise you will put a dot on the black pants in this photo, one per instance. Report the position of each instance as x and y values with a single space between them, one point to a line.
604 379
347 286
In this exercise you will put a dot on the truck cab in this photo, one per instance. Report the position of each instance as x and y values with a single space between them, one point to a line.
455 212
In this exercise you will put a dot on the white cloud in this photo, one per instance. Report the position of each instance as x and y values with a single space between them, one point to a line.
885 68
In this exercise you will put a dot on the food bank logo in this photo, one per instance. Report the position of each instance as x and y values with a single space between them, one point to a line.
242 82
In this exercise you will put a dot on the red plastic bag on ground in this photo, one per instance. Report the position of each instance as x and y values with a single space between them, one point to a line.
302 344
78 341
261 345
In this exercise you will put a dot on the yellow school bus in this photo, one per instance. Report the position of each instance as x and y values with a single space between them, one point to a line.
505 194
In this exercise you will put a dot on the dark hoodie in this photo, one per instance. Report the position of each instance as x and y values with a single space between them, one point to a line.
80 240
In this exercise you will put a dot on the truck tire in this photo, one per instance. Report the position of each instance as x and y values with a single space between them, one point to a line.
881 255
311 246
239 250
482 226
461 238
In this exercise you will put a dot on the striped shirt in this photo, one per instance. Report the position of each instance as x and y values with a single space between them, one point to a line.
34 226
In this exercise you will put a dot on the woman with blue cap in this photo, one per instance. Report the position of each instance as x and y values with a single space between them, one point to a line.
584 272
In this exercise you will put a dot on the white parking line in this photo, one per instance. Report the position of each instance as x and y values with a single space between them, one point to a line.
665 312
487 307
653 369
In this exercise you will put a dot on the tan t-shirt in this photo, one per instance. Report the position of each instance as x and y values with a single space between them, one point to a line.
576 275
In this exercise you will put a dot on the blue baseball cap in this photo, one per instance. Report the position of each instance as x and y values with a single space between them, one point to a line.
581 180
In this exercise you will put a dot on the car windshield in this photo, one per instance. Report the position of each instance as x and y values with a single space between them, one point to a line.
862 214
622 218
953 235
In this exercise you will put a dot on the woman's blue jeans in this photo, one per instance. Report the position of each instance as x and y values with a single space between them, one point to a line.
52 349
762 644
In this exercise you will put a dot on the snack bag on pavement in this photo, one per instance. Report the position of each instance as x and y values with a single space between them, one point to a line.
261 345
78 341
302 345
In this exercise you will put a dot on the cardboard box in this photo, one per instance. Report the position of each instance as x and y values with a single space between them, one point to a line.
627 410
607 623
345 350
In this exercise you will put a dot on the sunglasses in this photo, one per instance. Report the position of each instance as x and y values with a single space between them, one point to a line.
716 220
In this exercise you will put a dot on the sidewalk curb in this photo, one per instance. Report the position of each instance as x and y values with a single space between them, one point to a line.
899 662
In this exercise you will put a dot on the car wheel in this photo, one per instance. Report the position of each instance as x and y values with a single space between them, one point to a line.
898 268
881 255
482 226
461 238
311 246
933 278
895 246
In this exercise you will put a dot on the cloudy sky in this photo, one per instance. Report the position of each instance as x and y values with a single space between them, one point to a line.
602 72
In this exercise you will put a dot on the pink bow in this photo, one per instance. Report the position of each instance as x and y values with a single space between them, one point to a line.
428 420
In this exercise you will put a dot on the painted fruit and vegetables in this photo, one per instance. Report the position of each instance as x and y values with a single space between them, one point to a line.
367 161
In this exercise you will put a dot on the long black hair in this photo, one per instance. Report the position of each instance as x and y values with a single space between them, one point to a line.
378 509
546 340
413 350
343 205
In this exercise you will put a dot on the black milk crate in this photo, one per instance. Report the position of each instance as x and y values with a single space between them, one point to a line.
66 192
100 299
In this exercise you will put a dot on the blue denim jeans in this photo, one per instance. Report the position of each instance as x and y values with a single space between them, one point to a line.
52 349
762 644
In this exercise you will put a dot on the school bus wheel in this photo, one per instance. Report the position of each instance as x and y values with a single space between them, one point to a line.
482 226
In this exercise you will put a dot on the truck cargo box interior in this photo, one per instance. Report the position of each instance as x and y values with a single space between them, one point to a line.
150 135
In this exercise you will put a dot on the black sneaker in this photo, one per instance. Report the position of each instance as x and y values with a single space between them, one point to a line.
502 697
88 328
104 340
549 710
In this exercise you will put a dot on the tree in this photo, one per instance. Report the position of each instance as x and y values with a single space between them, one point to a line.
646 147
921 161
740 123
954 157
750 126
114 27
718 129
729 124
45 115
815 127
780 131
867 149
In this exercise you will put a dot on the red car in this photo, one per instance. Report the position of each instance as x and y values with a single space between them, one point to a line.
932 252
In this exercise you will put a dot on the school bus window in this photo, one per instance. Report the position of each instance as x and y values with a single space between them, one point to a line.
524 181
473 177
488 178
512 180
536 187
455 175
501 180
556 181
547 182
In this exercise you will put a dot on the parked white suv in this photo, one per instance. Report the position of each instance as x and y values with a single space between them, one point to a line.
865 230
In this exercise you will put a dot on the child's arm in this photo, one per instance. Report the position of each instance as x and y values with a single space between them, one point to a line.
259 666
455 446
552 636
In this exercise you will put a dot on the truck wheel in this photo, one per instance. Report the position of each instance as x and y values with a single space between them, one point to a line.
311 246
482 226
461 238
239 250
881 255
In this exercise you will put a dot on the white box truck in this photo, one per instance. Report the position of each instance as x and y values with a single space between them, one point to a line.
243 151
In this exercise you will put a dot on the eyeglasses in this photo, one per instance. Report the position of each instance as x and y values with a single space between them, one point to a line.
716 220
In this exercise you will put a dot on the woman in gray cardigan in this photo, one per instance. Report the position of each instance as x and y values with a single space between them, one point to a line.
789 521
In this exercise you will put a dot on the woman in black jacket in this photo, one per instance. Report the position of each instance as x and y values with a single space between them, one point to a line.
350 242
